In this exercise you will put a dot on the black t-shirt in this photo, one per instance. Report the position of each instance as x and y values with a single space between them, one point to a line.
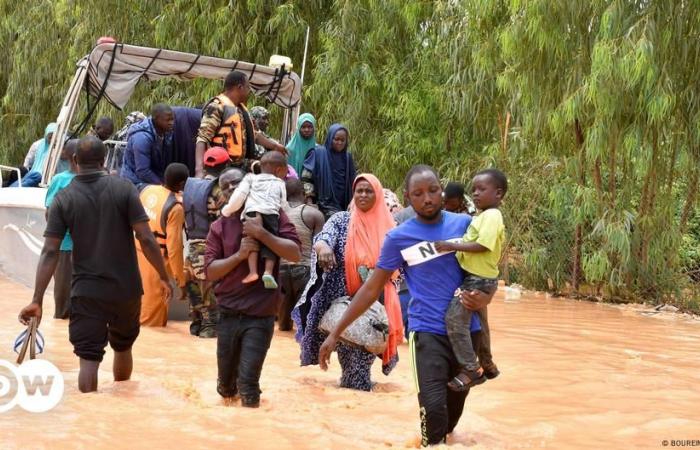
99 210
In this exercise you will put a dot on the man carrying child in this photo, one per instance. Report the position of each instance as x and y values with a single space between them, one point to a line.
247 311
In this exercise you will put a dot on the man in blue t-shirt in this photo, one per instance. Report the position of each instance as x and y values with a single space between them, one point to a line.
432 279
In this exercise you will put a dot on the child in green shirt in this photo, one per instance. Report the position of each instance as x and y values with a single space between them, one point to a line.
478 254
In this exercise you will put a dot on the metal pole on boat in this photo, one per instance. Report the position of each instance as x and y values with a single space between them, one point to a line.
297 110
285 127
65 116
303 63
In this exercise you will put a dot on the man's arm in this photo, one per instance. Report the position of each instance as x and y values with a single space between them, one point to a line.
476 299
31 154
151 250
315 218
142 160
238 198
363 299
469 247
208 126
219 268
174 244
282 247
269 144
199 150
48 260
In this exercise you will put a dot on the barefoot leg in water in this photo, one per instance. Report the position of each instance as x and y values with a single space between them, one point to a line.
123 365
87 377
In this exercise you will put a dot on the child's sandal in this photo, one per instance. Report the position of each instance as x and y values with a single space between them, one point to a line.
465 380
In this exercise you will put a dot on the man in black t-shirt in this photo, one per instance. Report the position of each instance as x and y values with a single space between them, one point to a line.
102 213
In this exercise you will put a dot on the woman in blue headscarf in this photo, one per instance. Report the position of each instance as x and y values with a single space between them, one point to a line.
329 172
304 139
36 158
42 150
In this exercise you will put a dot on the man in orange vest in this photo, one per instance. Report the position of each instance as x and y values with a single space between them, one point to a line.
166 220
226 123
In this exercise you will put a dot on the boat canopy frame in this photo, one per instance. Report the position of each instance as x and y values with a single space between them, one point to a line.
111 71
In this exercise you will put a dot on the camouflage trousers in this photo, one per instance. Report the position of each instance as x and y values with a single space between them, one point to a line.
203 309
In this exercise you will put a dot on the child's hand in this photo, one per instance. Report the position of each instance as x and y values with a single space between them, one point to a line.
444 246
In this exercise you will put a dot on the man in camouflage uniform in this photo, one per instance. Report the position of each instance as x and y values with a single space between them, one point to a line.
200 292
244 151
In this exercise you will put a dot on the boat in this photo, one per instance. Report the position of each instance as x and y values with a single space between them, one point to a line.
110 72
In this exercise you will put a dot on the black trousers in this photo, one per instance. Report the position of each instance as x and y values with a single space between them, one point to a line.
95 322
241 348
435 365
62 280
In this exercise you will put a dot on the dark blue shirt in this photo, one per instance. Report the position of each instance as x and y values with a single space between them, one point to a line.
147 154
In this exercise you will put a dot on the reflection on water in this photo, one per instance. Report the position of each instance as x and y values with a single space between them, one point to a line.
574 374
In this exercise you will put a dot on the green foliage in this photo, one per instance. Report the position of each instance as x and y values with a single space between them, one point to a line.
591 107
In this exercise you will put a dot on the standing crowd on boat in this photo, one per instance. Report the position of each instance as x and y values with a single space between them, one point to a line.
206 206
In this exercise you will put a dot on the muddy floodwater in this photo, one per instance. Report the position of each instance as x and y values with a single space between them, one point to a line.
574 375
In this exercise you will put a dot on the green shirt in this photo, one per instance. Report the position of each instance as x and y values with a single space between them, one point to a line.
486 229
58 182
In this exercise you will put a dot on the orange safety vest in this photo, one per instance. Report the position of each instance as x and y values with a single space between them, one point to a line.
158 201
230 132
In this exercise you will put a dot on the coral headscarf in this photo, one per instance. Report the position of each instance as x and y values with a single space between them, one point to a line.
366 233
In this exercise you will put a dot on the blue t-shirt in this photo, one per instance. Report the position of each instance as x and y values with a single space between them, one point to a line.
58 182
431 278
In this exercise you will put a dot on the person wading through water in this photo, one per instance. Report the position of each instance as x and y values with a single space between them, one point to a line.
203 200
308 221
247 311
102 213
432 279
64 270
167 219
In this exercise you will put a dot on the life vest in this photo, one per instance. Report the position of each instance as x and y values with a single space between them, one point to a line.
230 132
157 201
194 199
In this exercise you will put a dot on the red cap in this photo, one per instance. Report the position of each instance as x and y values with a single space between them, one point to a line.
215 156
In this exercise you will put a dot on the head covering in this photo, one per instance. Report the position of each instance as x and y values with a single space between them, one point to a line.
392 201
366 233
132 118
42 152
291 173
341 180
258 112
298 147
215 156
333 173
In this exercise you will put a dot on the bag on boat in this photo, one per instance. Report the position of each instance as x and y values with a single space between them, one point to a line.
369 331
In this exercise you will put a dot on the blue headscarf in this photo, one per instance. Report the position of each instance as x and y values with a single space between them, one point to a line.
42 152
333 172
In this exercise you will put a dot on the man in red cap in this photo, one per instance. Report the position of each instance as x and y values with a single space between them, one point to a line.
203 199
216 159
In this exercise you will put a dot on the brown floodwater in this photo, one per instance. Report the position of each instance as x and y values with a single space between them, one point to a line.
574 375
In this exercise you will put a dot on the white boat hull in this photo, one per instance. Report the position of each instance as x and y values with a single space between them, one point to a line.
22 225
